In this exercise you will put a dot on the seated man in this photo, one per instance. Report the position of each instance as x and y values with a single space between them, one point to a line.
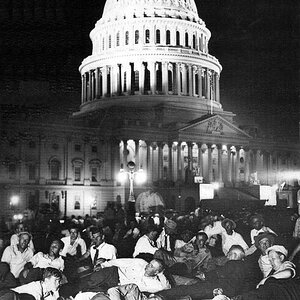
263 241
73 244
33 270
46 289
146 243
229 277
281 268
99 251
17 256
14 240
230 237
278 284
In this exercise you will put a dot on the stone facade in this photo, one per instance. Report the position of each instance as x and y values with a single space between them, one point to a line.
150 94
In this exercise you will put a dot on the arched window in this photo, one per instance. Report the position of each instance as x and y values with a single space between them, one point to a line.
54 169
109 41
194 42
170 81
186 39
147 36
177 38
118 39
136 37
168 37
126 37
77 164
157 36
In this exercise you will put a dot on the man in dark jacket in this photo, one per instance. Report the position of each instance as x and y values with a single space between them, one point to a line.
229 277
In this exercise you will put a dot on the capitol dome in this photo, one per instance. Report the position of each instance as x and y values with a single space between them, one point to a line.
123 9
148 53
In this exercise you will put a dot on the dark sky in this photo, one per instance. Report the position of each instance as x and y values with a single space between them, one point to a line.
256 41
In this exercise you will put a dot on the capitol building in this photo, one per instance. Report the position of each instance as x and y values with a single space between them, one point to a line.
150 94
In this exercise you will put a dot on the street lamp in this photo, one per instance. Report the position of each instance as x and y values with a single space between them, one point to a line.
138 176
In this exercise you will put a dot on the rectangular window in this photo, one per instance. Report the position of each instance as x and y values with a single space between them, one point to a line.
94 149
77 202
136 37
94 174
157 36
12 171
147 36
31 172
77 173
77 148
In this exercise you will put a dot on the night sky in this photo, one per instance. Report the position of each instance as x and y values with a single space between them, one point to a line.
256 41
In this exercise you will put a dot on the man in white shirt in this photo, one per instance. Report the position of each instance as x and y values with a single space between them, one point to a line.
100 250
17 256
166 239
14 240
73 244
148 277
263 241
146 243
257 223
230 237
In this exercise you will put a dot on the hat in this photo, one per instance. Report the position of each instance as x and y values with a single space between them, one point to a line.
278 248
228 220
264 235
171 225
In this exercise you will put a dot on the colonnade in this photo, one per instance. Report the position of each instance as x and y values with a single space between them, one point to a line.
182 161
151 78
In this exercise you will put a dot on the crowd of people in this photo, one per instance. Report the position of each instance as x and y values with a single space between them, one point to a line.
201 255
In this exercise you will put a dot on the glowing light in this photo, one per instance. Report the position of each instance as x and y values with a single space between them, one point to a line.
14 200
140 177
18 217
122 176
215 185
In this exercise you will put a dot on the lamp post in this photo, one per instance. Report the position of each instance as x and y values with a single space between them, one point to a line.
138 176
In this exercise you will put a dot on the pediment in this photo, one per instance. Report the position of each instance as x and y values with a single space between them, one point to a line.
214 125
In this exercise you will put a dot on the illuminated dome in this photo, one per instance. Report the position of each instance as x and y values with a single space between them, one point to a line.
148 53
122 9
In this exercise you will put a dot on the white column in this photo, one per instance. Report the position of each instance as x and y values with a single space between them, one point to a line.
200 159
82 89
237 166
97 90
190 80
124 161
128 78
217 87
209 162
184 89
220 167
152 69
104 81
148 167
207 85
141 79
122 83
178 86
179 178
170 169
247 173
92 85
165 77
182 162
229 177
137 154
199 82
160 160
